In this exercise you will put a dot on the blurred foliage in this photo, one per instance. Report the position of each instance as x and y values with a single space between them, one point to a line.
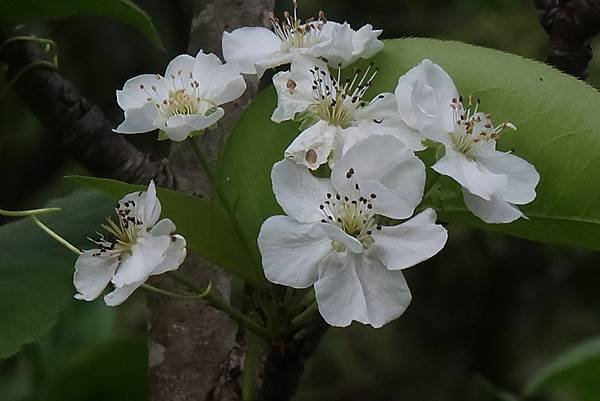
26 11
489 306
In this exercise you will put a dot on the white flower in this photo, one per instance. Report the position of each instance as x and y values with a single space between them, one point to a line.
309 92
184 101
139 246
256 49
333 237
493 181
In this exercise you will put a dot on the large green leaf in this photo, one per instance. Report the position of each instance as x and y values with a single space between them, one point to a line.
572 376
35 271
558 131
206 227
16 12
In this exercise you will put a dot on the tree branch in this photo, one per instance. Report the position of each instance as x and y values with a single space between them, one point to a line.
571 25
284 364
78 125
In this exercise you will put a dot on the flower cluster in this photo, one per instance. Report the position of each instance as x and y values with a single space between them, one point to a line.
350 230
351 235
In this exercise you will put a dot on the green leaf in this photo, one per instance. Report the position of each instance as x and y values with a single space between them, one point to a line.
571 376
255 144
558 132
27 11
35 271
206 227
114 370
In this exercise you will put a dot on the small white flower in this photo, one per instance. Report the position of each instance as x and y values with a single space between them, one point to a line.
184 101
310 92
256 49
493 181
139 246
333 236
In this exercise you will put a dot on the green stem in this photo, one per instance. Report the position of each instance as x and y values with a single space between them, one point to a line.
25 213
57 237
174 295
223 306
238 316
309 313
23 71
205 165
47 42
249 372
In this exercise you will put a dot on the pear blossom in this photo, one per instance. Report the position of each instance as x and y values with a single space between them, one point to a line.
186 100
493 182
333 236
338 110
256 49
139 245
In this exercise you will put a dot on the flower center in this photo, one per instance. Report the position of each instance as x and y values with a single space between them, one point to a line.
294 34
180 102
472 126
123 233
335 102
354 215
182 96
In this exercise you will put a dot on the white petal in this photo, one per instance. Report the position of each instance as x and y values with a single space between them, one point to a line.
346 138
291 251
137 90
119 295
495 210
92 274
409 243
298 192
179 69
180 126
365 43
522 177
146 207
163 227
249 45
353 287
152 207
381 107
221 83
139 120
335 233
435 91
313 146
146 254
335 45
385 167
294 88
469 173
174 256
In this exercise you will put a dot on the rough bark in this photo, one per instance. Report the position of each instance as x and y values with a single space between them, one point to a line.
571 25
284 364
193 352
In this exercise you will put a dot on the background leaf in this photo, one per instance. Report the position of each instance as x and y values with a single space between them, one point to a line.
35 271
560 135
206 227
572 375
16 12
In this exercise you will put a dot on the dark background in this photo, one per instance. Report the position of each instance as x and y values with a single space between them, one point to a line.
488 308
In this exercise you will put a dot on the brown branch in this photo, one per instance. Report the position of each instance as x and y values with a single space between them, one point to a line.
284 364
194 352
571 25
78 125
